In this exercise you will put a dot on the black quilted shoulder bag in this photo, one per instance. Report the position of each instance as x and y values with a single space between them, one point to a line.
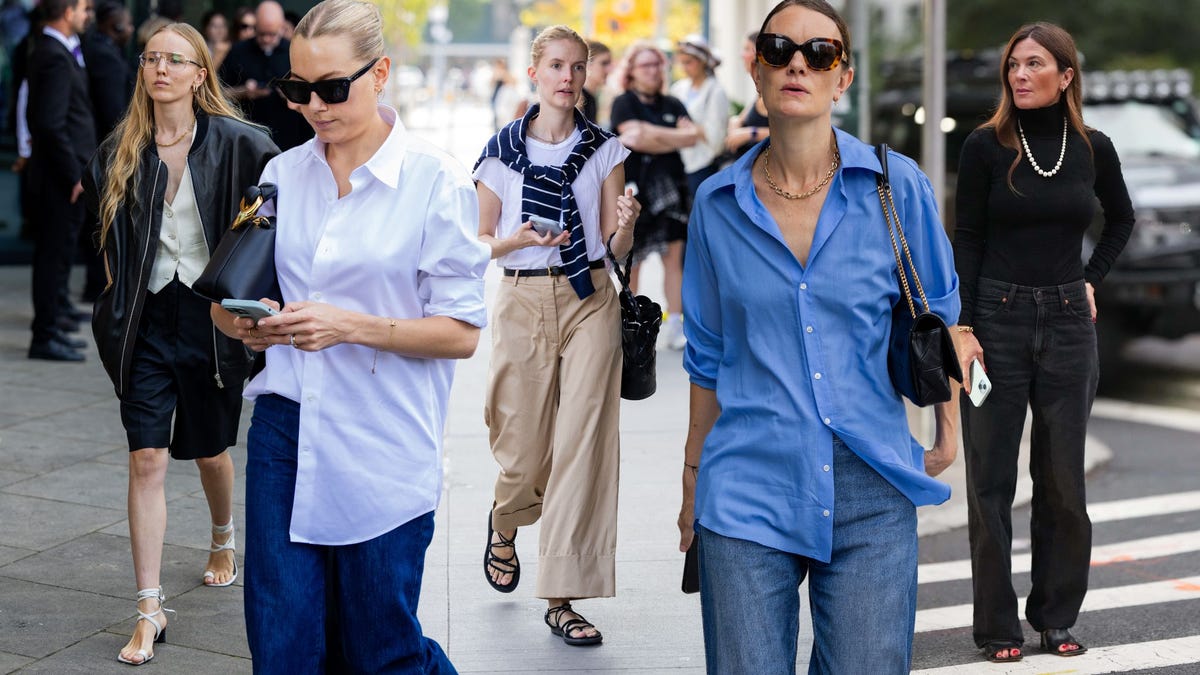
921 356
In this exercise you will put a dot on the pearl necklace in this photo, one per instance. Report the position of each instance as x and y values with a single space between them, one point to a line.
833 167
1032 162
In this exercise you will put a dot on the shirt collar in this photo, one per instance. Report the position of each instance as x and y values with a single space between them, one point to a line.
387 161
69 42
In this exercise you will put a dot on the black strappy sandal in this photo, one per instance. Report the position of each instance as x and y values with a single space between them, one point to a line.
1053 640
991 651
557 627
510 565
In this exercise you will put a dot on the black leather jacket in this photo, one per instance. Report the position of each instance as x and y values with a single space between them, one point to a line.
226 156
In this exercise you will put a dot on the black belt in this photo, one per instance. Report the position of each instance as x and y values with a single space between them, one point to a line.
549 271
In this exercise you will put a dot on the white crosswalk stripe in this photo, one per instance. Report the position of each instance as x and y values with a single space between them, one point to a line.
958 616
1134 656
1125 551
1113 659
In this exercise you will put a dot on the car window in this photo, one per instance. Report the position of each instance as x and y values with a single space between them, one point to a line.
1140 129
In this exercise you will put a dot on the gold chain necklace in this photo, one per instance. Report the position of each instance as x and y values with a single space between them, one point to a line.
833 167
178 138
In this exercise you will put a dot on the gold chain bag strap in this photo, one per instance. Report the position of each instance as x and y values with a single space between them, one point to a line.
243 265
921 356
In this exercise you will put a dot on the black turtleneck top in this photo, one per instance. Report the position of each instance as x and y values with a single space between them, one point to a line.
1034 237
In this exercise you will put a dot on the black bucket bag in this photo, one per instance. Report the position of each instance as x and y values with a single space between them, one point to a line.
640 321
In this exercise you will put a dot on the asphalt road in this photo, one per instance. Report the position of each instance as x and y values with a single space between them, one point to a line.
1145 578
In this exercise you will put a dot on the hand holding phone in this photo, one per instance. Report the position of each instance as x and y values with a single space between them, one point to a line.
981 386
544 226
250 309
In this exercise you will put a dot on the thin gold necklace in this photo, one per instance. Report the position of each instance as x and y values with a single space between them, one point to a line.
833 167
178 138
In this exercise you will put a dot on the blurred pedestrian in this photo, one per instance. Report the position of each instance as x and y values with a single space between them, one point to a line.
243 24
63 136
798 460
165 185
507 97
216 35
110 84
165 12
382 278
656 127
1027 185
599 67
252 65
553 398
706 104
290 19
750 126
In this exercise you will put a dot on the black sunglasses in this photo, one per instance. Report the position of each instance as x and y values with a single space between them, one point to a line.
335 90
776 51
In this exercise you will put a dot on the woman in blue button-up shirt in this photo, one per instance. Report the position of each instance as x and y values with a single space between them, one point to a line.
799 458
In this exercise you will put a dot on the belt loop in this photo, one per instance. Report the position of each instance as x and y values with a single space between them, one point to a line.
1011 295
516 277
1062 295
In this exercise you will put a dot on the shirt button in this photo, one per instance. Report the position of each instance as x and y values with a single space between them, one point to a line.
311 398
825 468
826 420
804 287
808 329
825 513
316 296
175 258
816 376
170 236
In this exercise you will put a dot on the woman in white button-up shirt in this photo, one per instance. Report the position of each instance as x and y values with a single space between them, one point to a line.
382 279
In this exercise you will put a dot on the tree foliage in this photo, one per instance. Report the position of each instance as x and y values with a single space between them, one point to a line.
618 23
1109 33
404 21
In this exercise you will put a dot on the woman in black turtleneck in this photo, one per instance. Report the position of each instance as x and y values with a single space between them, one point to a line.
1027 185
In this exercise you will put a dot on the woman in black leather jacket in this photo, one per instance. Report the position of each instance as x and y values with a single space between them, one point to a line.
165 185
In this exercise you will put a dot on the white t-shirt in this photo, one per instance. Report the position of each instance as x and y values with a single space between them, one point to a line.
508 185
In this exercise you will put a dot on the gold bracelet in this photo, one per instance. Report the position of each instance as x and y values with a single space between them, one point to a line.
965 329
391 325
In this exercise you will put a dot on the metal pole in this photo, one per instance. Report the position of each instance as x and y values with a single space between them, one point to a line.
933 93
660 21
860 19
589 18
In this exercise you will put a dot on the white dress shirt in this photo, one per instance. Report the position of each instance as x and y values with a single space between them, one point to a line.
509 185
401 244
708 107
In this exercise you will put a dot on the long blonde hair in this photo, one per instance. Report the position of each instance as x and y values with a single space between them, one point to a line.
135 132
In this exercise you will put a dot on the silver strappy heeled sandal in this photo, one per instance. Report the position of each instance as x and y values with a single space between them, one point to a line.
229 545
160 631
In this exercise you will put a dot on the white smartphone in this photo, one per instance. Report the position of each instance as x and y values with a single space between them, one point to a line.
251 309
981 386
544 226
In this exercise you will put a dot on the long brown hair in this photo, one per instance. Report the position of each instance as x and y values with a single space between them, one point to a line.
1061 46
135 132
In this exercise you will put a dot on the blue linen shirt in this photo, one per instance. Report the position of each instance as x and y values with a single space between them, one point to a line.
798 353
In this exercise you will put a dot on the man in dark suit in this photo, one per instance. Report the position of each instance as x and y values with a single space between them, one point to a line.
110 82
64 137
250 67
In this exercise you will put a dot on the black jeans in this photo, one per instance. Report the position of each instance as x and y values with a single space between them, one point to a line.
1039 345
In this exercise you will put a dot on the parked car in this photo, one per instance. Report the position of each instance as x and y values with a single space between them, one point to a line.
1153 120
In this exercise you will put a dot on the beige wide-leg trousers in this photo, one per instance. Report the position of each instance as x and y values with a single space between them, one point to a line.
552 409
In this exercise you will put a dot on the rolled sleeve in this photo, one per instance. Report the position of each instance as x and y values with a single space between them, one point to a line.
701 307
453 260
931 250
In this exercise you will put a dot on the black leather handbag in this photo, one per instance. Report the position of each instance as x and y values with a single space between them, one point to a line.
921 356
243 265
641 318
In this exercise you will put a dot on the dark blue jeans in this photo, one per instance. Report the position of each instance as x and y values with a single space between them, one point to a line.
1039 345
863 602
313 609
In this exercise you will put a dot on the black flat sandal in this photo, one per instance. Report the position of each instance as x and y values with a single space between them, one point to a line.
510 565
564 629
1054 639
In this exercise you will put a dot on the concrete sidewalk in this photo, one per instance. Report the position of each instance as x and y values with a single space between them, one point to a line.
66 586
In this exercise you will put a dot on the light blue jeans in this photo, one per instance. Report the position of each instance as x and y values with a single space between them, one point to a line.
863 601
